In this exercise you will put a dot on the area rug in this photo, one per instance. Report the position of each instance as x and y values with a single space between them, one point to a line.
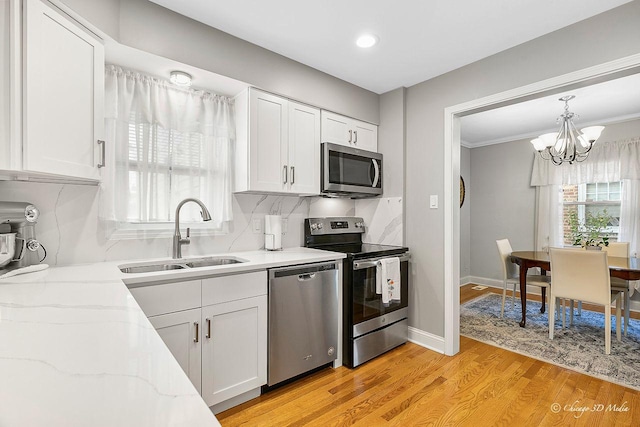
580 347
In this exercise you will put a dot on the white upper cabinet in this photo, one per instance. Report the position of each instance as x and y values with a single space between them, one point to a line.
5 84
350 132
277 145
304 149
63 95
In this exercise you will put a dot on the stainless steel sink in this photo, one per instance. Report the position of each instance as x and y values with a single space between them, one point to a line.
180 264
210 262
151 268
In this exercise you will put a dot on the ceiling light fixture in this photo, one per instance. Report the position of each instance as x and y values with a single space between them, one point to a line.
180 78
569 144
367 40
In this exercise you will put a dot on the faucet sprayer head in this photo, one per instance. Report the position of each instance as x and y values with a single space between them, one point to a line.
206 216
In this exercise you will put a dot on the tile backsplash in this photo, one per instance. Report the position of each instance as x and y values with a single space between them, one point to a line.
70 230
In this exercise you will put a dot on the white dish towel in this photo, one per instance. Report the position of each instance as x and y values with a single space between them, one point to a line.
388 279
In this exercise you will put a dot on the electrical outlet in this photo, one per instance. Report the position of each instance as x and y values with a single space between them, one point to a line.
256 225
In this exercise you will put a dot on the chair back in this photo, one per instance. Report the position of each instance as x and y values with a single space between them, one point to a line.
509 269
580 275
617 249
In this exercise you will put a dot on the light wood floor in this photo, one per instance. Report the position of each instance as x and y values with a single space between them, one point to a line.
480 386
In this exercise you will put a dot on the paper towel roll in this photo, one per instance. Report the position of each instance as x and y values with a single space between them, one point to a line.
273 232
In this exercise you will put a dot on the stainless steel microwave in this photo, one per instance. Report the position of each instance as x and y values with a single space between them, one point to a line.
350 172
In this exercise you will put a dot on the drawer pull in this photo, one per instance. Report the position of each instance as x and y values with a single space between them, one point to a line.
197 338
208 328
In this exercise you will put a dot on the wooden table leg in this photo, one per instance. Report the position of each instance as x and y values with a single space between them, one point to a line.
544 291
523 291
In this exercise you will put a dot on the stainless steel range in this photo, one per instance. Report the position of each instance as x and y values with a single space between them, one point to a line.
370 327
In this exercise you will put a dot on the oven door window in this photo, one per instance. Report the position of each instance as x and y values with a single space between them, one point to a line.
367 304
349 169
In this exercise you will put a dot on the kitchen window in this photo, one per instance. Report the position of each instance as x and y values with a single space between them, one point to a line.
169 143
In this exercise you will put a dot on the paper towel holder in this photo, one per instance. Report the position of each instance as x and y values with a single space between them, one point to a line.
273 232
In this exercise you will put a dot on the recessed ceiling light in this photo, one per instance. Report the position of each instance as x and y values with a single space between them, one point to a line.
367 40
180 78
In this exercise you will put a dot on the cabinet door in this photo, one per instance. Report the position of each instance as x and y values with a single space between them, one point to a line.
10 85
365 136
182 334
336 129
268 142
304 149
234 349
63 95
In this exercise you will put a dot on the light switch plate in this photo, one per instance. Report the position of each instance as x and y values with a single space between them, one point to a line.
433 201
256 225
285 225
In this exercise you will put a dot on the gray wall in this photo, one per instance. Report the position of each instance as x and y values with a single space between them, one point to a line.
503 203
391 141
152 28
465 214
611 35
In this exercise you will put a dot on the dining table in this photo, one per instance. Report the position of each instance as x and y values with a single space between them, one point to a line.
623 268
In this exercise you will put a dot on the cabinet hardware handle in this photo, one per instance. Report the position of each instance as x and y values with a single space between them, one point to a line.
103 161
293 175
355 133
350 135
208 328
284 169
197 338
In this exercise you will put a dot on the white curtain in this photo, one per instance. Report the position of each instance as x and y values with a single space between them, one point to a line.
548 210
607 162
630 215
168 143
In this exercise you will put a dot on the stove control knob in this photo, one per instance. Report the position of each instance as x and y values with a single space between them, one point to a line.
320 226
314 226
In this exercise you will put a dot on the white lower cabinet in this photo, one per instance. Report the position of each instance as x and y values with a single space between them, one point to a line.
216 329
181 333
234 350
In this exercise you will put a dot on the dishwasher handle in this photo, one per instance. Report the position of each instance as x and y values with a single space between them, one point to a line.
306 276
304 271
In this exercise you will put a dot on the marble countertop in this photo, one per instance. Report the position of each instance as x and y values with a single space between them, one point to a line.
77 350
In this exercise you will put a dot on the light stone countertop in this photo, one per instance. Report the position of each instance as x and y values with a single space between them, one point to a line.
77 350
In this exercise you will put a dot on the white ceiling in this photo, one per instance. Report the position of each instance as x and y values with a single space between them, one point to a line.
604 103
419 39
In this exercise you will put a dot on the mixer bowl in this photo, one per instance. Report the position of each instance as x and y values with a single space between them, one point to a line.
8 248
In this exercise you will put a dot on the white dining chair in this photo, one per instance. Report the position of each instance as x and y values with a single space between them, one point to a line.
583 276
510 274
620 249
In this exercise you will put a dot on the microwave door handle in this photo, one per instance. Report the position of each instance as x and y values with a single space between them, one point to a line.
376 173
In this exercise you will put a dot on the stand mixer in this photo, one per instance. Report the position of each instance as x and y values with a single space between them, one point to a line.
18 244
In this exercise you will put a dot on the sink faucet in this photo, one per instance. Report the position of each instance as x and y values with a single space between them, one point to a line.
178 241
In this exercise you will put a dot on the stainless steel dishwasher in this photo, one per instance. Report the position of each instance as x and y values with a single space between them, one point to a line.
303 319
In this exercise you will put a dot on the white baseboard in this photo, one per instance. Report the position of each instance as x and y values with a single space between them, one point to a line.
465 280
635 305
426 340
494 283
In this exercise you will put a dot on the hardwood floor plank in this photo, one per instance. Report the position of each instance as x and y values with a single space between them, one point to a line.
411 386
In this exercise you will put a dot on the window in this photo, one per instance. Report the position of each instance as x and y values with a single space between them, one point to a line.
163 172
169 144
584 200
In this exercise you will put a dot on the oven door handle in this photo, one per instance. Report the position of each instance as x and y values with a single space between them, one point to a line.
361 265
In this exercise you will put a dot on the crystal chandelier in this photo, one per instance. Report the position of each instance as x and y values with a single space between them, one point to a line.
569 144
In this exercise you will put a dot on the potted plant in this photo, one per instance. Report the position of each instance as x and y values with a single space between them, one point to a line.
590 233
